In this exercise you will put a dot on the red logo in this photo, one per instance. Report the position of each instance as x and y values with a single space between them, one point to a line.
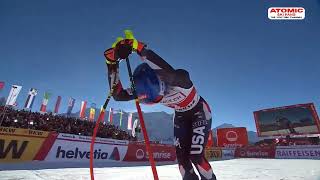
139 154
286 13
232 136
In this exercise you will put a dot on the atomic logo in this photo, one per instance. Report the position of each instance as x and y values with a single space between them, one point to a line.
232 136
286 13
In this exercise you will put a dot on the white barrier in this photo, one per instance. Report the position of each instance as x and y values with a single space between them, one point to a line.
77 148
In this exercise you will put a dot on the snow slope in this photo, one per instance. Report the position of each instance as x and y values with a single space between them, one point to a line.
264 169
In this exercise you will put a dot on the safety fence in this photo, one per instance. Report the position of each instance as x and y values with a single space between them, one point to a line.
19 145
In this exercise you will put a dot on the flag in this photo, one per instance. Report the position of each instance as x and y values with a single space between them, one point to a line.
110 115
70 105
56 107
101 115
1 85
121 113
92 111
30 99
82 114
14 92
134 128
130 121
45 102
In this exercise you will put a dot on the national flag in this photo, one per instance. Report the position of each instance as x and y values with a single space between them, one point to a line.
70 105
134 128
30 99
57 106
130 121
92 111
45 101
101 115
14 92
110 115
83 109
121 113
1 85
210 142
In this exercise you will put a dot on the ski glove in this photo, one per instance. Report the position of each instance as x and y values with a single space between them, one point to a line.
126 46
111 56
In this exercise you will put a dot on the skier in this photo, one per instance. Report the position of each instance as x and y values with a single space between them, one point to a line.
158 82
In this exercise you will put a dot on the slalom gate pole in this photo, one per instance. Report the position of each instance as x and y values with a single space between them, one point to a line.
143 127
95 131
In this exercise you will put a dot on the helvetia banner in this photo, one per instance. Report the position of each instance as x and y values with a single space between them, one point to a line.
18 145
77 148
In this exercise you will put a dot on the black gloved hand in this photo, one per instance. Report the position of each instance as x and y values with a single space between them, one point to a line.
124 48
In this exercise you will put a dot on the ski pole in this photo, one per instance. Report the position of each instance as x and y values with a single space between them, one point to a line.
96 128
143 127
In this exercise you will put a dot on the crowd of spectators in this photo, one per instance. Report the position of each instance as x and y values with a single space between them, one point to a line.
289 141
58 123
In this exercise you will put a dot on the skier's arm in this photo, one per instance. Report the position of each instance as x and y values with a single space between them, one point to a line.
119 94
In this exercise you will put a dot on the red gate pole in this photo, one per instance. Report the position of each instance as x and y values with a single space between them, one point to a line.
143 127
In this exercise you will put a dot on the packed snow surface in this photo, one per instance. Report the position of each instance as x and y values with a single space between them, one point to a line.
236 169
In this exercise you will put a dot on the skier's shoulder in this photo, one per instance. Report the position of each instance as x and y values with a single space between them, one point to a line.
182 78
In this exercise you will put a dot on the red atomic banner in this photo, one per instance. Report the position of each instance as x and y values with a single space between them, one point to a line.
232 137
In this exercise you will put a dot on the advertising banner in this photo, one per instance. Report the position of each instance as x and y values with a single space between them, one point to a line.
213 154
17 145
298 153
232 137
287 120
255 152
69 147
137 152
228 153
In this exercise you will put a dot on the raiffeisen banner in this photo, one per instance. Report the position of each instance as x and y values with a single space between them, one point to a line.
232 137
311 152
69 147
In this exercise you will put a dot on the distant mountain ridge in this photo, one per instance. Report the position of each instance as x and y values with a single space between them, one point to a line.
159 124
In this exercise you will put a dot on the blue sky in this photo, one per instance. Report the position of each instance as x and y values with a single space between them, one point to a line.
239 60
